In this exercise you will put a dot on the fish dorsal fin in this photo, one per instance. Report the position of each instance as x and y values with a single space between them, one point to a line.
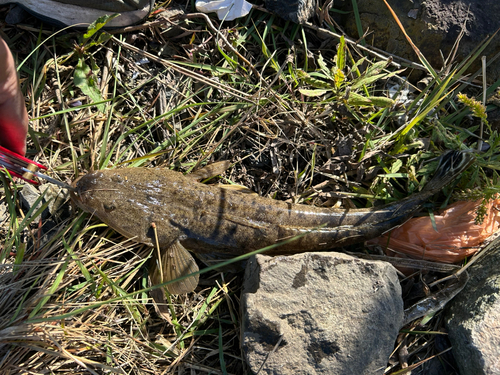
217 169
175 262
210 170
238 188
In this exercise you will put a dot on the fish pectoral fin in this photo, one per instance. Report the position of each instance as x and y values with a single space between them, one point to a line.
210 170
175 262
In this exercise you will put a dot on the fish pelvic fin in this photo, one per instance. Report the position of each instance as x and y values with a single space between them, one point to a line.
175 262
451 165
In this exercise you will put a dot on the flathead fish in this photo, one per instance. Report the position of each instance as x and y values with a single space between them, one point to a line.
164 208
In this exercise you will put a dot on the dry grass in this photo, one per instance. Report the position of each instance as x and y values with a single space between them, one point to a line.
182 92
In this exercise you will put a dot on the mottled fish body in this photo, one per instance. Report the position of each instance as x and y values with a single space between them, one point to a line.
210 218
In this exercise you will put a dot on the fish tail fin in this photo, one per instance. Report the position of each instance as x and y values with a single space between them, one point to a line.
451 165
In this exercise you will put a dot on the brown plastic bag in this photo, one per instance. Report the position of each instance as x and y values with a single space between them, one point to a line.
457 237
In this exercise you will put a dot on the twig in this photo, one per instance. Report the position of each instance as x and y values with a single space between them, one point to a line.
128 29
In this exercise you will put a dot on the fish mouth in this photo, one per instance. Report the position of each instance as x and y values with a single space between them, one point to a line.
75 194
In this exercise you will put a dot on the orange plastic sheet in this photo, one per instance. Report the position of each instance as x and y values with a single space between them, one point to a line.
457 236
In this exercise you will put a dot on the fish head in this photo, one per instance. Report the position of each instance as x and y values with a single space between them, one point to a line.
86 193
101 194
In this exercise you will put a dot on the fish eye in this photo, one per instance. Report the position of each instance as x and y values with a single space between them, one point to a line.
108 207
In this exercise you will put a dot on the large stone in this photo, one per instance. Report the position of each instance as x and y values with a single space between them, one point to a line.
433 25
319 313
473 317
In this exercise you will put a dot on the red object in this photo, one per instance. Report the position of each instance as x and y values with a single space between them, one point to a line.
458 235
14 163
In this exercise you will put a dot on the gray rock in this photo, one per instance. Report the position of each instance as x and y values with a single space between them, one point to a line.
433 25
53 194
56 211
28 196
57 197
473 318
319 313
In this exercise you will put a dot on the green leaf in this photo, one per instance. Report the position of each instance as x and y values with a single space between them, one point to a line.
321 64
19 257
357 64
396 166
97 25
360 100
381 101
357 99
394 175
341 54
339 78
103 38
313 81
366 80
376 68
312 93
85 79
